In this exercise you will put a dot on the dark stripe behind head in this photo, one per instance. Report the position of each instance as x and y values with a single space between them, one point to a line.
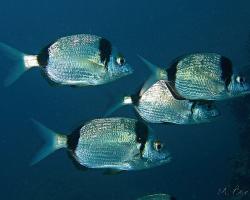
105 49
226 70
73 139
141 131
43 56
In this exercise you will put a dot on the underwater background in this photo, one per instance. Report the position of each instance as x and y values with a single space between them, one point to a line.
203 155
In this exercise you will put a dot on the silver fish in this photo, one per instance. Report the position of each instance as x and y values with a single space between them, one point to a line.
159 105
77 60
157 197
202 76
109 143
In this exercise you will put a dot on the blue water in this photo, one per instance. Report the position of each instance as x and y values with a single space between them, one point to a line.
158 30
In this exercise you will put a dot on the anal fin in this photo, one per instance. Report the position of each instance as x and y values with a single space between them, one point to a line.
77 165
112 172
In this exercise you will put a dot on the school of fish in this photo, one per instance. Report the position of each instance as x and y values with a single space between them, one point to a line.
183 93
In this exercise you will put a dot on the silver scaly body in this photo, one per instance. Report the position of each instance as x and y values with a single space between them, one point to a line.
158 105
198 76
112 143
76 60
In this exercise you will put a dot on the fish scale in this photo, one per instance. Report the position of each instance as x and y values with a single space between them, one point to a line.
65 64
115 143
98 143
199 76
105 156
157 105
76 60
73 74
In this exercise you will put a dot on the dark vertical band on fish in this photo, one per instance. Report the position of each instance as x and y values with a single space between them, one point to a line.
73 139
105 49
141 131
226 70
43 56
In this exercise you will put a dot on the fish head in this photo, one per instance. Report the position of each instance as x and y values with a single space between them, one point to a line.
155 153
204 111
118 66
238 86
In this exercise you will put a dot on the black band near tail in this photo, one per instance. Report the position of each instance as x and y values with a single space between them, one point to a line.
105 49
171 72
137 96
43 56
73 139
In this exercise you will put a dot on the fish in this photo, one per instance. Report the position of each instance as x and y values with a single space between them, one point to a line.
158 104
76 60
201 76
119 144
160 196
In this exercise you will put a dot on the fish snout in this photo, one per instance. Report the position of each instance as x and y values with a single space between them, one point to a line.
216 113
246 88
166 158
128 69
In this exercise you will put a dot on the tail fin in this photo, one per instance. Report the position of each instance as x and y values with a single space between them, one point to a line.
157 73
53 142
22 61
120 102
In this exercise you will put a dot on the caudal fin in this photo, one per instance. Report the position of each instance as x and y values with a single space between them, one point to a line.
157 73
53 142
22 62
119 102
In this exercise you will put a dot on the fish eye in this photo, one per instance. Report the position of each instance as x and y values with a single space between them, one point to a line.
158 145
120 60
240 79
209 106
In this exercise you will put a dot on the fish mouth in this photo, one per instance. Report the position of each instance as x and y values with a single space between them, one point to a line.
216 113
128 69
167 158
246 89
